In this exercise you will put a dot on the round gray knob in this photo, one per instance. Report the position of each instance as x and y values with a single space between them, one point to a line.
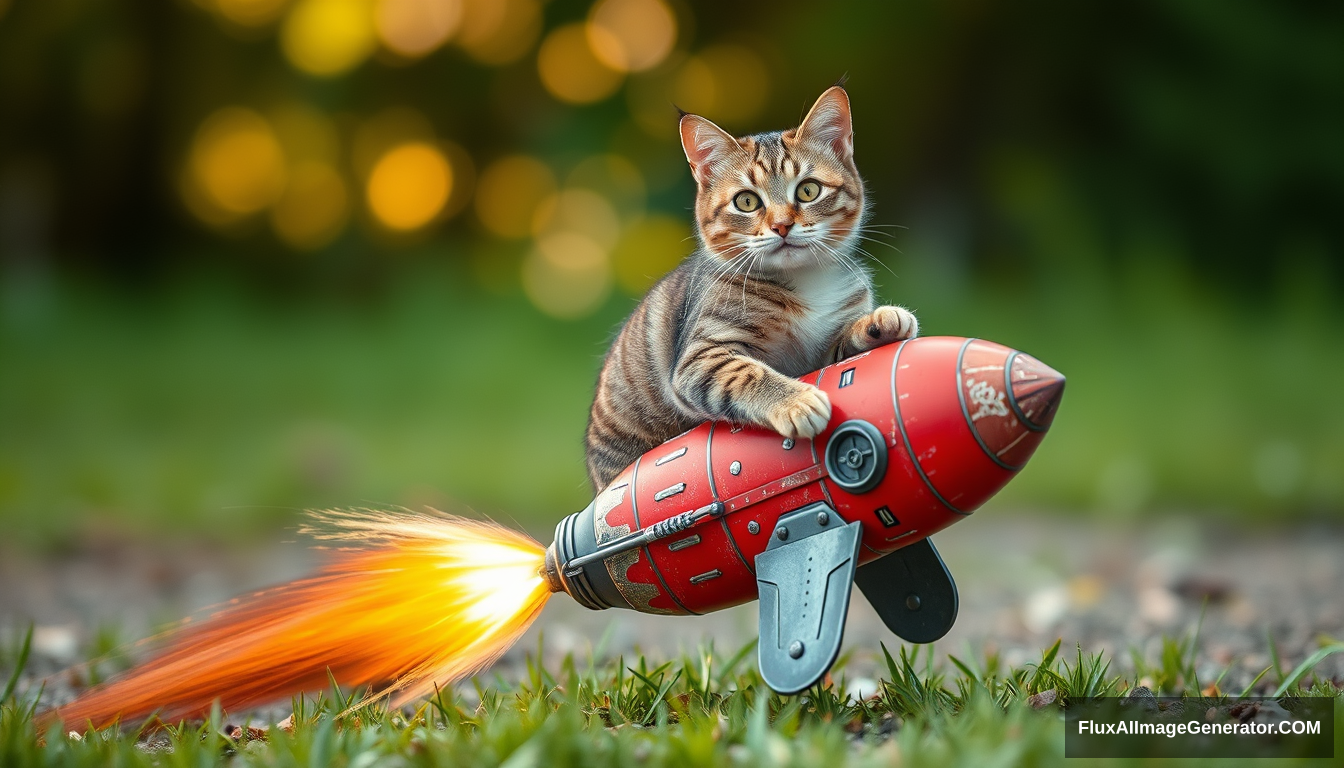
796 649
856 456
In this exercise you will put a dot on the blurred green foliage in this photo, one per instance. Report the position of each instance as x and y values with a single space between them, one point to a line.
211 336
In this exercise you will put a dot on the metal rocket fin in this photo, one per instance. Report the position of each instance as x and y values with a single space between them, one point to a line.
912 592
804 577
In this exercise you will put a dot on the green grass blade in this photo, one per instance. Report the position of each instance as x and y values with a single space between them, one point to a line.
1307 665
20 664
1274 655
1247 690
658 699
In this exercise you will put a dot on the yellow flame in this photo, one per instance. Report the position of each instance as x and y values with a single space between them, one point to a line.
418 601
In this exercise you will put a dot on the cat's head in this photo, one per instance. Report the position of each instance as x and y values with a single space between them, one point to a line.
790 199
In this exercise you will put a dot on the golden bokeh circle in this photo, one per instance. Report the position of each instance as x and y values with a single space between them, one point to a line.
248 13
328 37
579 210
567 275
570 70
236 162
413 28
314 208
649 249
409 186
498 32
631 35
509 192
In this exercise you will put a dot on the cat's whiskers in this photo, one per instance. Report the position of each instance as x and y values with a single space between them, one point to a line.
719 268
838 258
745 276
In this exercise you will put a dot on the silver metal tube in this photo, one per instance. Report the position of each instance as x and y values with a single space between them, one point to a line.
642 537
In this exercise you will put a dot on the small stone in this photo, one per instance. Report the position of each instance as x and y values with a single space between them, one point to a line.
1043 699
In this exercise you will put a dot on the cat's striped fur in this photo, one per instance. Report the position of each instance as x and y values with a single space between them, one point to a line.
774 291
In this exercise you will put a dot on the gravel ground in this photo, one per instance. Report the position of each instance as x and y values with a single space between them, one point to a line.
1024 581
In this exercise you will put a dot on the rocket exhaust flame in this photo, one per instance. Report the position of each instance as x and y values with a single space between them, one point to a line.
406 602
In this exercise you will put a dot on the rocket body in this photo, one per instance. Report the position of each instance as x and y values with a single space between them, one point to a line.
921 434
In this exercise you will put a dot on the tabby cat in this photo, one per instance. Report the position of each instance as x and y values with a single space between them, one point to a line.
773 291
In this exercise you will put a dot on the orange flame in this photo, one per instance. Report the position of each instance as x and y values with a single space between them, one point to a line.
421 601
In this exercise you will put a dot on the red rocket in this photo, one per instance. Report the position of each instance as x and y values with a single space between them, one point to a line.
921 434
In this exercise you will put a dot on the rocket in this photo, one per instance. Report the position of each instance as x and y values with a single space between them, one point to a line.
921 434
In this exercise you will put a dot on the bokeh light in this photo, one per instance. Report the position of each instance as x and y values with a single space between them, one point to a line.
236 163
571 71
499 31
579 210
247 13
631 35
616 178
729 84
649 249
413 28
388 128
567 275
409 186
314 207
305 132
328 37
509 193
726 83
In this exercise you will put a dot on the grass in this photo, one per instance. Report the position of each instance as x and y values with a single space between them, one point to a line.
706 709
208 408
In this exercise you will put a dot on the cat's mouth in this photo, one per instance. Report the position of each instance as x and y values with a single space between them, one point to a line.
784 244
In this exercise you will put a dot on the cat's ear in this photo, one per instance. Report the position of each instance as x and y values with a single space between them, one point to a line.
706 145
828 123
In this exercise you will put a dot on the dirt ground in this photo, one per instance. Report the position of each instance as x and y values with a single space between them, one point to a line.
1024 581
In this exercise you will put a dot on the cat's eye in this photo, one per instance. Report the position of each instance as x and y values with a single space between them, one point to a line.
746 202
808 191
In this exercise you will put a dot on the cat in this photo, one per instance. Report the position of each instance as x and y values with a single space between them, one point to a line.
773 291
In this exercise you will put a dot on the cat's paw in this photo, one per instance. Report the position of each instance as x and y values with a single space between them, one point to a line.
804 414
883 325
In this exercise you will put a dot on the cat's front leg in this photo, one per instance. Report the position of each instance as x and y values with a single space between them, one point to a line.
724 383
883 325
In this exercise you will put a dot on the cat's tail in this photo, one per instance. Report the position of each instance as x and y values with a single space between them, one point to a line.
408 602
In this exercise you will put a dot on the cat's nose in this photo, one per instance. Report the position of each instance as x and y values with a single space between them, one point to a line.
782 228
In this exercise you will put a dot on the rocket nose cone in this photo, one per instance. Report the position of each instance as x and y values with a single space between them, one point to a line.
1035 392
1009 400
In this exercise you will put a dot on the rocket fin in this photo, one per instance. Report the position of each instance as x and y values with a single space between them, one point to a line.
804 577
912 592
